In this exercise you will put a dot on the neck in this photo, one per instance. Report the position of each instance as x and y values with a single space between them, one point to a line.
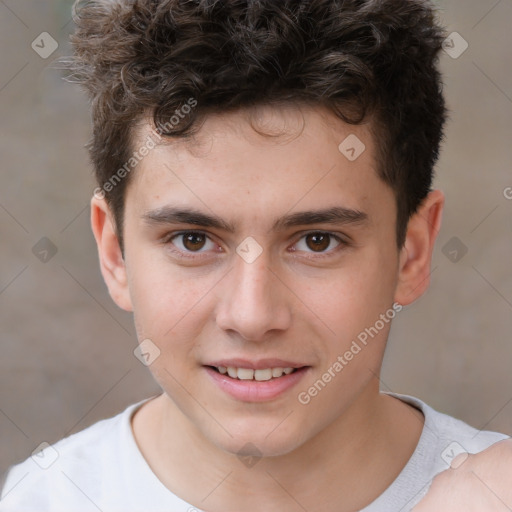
371 442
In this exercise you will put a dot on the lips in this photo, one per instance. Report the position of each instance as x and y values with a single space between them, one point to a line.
260 364
261 370
250 374
255 381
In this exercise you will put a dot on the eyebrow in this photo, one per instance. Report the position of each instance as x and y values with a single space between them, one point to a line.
336 215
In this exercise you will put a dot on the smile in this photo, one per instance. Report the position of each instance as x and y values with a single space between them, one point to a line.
250 374
256 385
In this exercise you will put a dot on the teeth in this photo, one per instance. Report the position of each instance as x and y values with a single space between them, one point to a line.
244 373
263 374
277 372
258 375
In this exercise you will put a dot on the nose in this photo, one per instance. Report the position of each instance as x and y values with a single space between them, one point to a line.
253 301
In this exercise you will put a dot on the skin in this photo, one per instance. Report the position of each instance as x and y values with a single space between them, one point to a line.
292 302
473 483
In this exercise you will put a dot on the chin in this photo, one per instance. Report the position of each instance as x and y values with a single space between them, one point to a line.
259 441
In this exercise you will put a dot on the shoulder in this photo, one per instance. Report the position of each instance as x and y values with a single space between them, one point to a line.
450 436
474 482
443 440
71 469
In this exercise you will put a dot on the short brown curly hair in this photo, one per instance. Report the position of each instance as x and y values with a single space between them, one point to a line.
363 59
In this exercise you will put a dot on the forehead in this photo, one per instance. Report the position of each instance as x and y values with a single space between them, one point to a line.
262 159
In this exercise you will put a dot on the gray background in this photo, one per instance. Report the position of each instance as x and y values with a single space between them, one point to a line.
66 350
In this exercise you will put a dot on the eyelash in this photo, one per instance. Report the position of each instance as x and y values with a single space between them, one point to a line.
190 255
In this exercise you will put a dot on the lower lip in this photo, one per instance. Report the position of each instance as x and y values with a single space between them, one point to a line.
256 391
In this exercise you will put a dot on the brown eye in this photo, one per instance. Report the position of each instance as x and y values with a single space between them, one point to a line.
193 241
318 242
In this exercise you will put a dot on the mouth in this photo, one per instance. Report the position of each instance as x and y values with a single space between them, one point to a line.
265 383
259 375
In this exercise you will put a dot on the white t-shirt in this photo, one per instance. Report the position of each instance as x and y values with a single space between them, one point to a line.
102 469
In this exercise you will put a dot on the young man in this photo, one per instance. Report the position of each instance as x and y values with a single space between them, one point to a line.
264 207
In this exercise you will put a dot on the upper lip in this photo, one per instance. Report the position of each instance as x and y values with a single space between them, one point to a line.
260 364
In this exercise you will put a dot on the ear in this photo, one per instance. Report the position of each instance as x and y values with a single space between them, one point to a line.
416 254
112 263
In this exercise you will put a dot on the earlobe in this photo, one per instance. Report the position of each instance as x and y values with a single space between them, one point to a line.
113 268
416 255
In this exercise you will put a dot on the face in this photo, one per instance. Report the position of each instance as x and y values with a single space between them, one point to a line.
261 253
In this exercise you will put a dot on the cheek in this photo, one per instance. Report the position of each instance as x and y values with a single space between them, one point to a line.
167 312
167 300
352 298
172 315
